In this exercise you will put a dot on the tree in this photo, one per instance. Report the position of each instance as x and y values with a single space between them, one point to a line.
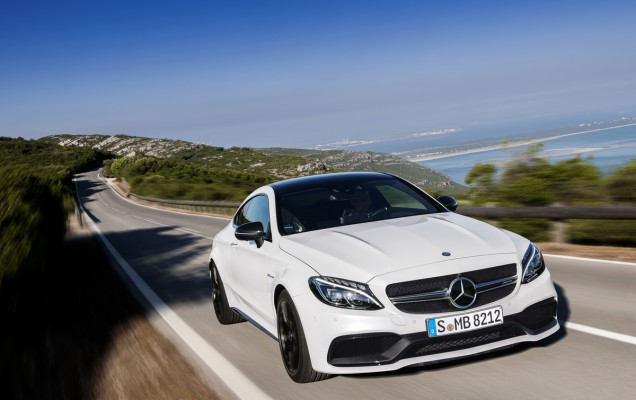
526 181
621 184
483 185
576 181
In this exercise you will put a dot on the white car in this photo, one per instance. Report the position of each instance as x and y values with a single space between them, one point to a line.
364 272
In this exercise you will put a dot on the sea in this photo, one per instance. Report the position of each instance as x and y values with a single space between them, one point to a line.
607 149
607 144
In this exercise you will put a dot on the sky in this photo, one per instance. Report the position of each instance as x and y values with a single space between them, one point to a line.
302 73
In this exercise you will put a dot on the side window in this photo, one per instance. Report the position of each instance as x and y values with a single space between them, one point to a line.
240 218
255 210
402 197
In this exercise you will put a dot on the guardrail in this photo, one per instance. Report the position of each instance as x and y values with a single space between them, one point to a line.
209 207
225 204
554 213
559 215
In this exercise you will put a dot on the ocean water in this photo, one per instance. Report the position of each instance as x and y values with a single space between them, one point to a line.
471 135
609 148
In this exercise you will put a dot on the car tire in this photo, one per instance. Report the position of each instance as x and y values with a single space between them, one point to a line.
224 313
292 342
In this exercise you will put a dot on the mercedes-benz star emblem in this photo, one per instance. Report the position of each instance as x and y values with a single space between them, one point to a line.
462 292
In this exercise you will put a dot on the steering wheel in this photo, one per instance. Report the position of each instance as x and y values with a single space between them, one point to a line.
379 212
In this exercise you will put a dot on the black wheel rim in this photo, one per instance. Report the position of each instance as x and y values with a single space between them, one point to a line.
216 290
288 337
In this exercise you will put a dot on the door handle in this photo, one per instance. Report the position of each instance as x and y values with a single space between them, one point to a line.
234 245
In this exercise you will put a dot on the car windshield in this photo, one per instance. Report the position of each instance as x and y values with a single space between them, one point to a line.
333 203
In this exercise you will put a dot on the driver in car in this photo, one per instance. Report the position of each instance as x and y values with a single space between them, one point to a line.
360 203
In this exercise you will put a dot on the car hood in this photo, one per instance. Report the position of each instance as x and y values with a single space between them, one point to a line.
362 251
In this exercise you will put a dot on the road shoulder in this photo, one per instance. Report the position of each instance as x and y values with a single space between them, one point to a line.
610 253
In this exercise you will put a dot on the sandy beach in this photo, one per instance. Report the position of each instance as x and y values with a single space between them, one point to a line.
508 145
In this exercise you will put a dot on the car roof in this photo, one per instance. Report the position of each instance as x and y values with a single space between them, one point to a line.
306 182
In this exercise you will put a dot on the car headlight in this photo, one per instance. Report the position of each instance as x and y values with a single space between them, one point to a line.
533 264
343 293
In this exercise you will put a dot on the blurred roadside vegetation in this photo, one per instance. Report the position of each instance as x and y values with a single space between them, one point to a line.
36 197
534 181
178 179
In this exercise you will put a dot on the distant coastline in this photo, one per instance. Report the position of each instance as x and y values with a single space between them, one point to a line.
507 145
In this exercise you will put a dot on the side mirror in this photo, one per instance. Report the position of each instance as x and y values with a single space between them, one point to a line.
250 231
448 202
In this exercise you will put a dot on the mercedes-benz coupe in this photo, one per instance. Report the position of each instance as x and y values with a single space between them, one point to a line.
364 272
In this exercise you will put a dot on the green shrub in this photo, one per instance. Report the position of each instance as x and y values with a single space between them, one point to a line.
178 179
535 229
603 232
33 212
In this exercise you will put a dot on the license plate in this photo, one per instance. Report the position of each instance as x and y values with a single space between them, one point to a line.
464 322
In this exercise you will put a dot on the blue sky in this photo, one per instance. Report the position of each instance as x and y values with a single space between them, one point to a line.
299 73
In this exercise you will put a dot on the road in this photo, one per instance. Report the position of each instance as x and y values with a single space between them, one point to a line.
169 252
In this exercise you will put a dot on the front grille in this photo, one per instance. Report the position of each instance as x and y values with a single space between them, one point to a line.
465 341
441 283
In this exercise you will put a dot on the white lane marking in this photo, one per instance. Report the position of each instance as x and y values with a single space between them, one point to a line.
600 332
152 221
240 384
193 232
184 230
190 231
109 205
597 260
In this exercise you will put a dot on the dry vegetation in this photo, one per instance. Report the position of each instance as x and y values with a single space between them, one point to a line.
141 364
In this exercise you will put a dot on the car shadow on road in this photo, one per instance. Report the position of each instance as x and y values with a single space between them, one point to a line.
563 314
164 258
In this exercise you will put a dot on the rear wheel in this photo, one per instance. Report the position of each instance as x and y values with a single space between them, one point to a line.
223 312
292 343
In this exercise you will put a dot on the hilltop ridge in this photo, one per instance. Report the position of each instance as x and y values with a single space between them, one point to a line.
280 163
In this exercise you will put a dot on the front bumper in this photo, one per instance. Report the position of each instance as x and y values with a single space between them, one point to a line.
349 342
388 348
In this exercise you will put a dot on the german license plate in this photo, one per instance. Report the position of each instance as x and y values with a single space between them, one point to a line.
464 322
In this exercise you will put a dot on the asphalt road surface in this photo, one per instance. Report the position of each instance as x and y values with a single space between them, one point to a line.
169 252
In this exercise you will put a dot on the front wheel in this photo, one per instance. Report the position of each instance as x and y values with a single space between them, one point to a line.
292 343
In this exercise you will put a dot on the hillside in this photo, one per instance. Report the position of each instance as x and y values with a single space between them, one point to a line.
275 162
345 160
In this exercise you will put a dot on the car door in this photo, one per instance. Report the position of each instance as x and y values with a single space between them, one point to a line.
250 263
